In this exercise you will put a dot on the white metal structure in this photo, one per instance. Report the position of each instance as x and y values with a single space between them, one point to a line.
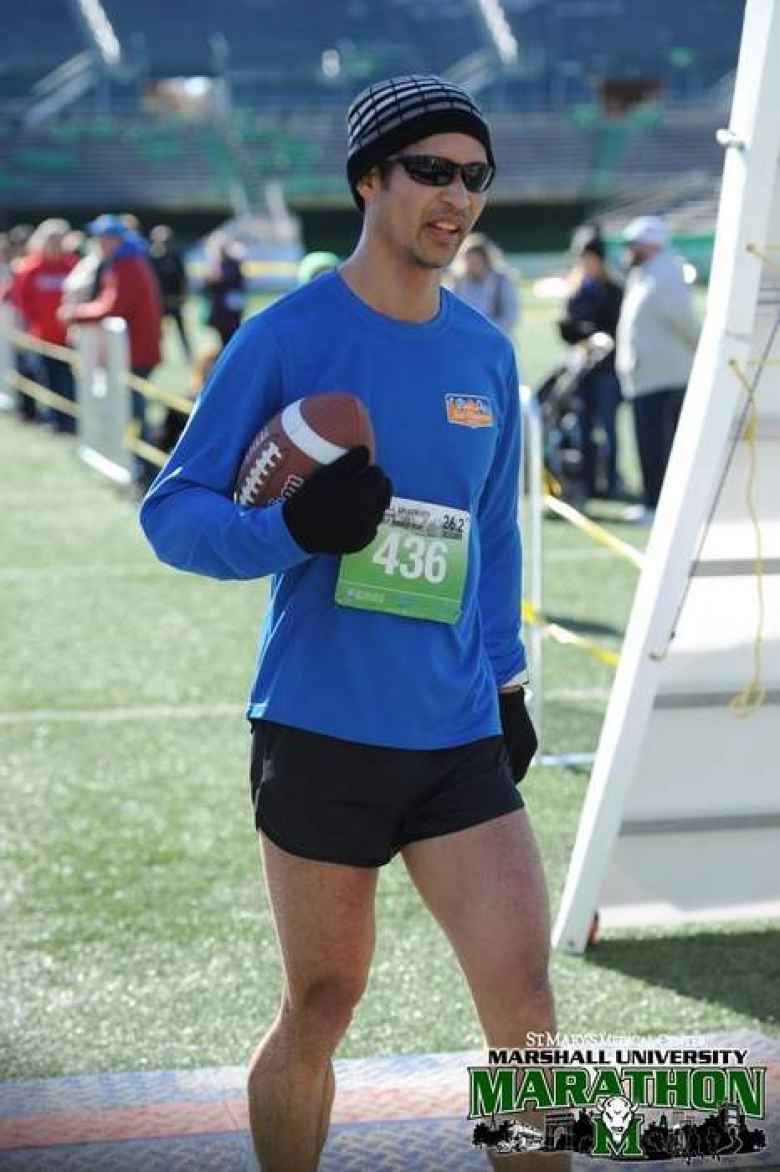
682 817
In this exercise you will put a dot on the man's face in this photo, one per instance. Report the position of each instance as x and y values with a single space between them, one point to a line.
425 225
638 253
592 265
108 245
52 249
476 263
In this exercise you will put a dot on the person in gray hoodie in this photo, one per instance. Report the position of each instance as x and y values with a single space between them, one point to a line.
656 340
484 282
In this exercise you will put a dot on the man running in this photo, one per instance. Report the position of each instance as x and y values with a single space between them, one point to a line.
375 733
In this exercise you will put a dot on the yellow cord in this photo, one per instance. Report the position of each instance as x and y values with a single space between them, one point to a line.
753 695
761 253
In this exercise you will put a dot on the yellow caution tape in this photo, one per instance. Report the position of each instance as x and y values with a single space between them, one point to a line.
49 349
752 696
42 394
178 402
142 448
562 635
599 534
65 354
252 268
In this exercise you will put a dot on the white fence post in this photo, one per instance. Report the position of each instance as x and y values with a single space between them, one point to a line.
7 363
104 398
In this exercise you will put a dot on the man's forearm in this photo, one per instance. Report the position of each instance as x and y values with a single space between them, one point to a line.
201 531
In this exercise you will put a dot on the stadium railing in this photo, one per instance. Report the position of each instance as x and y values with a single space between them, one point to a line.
107 433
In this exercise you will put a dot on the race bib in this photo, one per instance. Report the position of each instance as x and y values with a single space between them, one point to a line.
416 565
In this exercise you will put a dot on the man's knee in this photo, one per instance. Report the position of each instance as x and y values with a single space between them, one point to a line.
514 981
324 1007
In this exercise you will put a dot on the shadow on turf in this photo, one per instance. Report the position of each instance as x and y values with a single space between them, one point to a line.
583 627
740 970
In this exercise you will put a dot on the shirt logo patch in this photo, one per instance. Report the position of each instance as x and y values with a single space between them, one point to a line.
469 410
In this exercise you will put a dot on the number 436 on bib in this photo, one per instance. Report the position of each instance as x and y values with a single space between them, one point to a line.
416 565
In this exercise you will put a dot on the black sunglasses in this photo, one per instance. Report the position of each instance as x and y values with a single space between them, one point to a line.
434 171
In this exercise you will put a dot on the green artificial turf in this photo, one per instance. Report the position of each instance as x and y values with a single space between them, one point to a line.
135 932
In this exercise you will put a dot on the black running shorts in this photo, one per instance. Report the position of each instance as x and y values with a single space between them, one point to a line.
342 802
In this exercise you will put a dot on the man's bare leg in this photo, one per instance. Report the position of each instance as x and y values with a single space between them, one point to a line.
290 1103
324 919
486 887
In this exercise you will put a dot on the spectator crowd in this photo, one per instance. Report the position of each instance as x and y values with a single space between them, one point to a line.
56 277
653 332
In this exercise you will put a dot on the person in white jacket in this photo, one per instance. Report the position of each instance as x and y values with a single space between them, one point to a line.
656 339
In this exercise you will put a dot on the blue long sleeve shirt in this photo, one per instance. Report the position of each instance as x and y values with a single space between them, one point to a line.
361 675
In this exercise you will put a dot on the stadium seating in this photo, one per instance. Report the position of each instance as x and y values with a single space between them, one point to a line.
133 165
684 144
172 162
277 48
36 38
554 140
141 162
568 46
273 52
39 36
564 45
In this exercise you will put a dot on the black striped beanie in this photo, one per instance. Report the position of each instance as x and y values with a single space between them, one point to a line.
392 114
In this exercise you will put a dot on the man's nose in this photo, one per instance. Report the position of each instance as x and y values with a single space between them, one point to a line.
457 194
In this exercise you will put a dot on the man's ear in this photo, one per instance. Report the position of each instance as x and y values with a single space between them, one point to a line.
369 185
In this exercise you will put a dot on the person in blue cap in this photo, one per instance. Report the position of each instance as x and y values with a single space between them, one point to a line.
128 289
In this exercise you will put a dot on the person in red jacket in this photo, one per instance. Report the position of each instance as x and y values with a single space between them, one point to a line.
37 293
128 289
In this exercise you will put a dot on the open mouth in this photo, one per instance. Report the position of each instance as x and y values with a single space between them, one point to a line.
445 231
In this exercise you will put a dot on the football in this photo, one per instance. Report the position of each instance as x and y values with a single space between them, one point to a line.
301 438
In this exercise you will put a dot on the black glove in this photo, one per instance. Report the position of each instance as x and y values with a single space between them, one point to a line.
338 509
519 734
